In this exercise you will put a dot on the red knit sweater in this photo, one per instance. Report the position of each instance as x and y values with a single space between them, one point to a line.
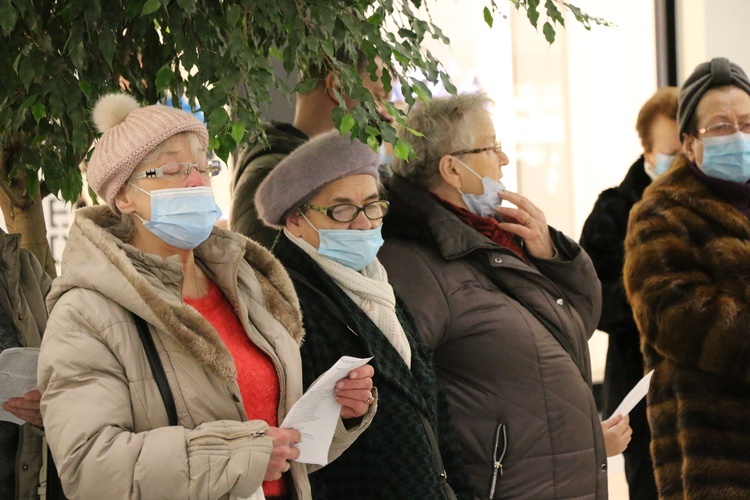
256 374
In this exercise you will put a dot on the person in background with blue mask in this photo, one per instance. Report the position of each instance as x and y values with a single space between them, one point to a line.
507 305
326 198
603 237
149 282
687 262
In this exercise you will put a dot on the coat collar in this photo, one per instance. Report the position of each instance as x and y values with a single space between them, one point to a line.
149 286
416 215
387 362
681 186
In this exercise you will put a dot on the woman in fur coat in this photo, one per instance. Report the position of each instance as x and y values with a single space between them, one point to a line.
686 274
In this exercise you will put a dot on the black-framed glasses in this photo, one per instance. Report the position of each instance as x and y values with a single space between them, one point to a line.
180 171
347 212
722 129
496 148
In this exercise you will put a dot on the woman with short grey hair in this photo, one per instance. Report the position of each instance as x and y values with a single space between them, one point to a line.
506 303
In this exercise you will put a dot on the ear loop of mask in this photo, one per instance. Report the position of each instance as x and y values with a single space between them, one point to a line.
308 221
139 188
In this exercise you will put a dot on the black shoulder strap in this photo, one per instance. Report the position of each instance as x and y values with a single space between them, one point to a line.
553 329
156 368
327 301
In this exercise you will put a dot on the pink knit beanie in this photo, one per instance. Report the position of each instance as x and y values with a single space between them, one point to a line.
129 133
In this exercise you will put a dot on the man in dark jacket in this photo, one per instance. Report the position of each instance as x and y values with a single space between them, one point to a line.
603 238
23 317
312 117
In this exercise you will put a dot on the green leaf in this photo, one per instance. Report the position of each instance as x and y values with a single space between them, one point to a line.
150 7
402 149
188 6
306 85
373 142
32 183
238 132
164 78
26 72
38 110
549 32
488 17
85 88
347 123
107 46
553 12
532 12
414 132
8 17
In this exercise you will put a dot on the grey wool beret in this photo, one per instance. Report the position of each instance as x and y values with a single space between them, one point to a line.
708 75
318 162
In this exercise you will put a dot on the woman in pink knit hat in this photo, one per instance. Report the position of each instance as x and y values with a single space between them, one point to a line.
172 350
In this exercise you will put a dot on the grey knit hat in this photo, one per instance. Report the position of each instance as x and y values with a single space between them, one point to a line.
708 75
318 162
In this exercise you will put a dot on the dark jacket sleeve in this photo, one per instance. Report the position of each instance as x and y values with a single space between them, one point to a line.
243 216
603 238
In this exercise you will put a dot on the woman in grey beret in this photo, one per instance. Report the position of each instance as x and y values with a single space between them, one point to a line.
326 197
686 274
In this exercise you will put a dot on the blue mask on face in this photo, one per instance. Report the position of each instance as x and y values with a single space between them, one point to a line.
663 162
483 204
182 217
727 157
352 248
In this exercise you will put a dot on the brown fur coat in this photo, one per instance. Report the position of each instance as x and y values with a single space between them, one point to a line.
687 275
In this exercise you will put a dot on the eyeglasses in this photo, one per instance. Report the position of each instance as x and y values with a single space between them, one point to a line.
496 148
346 212
179 171
721 129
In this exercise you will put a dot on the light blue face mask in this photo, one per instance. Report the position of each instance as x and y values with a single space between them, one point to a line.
483 204
663 162
182 217
727 157
352 248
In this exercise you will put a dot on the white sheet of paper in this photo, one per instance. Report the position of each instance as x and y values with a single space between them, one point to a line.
17 376
637 393
316 413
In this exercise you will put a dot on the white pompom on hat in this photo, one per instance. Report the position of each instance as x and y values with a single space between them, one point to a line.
129 133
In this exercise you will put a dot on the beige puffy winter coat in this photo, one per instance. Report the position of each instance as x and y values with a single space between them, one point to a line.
105 420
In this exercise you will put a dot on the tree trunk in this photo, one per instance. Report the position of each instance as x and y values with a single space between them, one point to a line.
24 215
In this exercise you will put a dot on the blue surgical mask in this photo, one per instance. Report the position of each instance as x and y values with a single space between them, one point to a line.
352 248
727 157
663 162
483 204
182 217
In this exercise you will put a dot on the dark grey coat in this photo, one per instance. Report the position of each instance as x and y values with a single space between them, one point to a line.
516 394
23 286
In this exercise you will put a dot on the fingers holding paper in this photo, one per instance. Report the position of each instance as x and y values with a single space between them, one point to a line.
355 392
26 408
283 451
617 434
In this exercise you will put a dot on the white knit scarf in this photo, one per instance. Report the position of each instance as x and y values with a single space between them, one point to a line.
369 289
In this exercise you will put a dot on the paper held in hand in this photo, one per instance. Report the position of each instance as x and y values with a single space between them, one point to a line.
634 396
17 376
316 413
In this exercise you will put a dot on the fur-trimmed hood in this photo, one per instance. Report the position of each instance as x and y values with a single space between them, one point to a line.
149 286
